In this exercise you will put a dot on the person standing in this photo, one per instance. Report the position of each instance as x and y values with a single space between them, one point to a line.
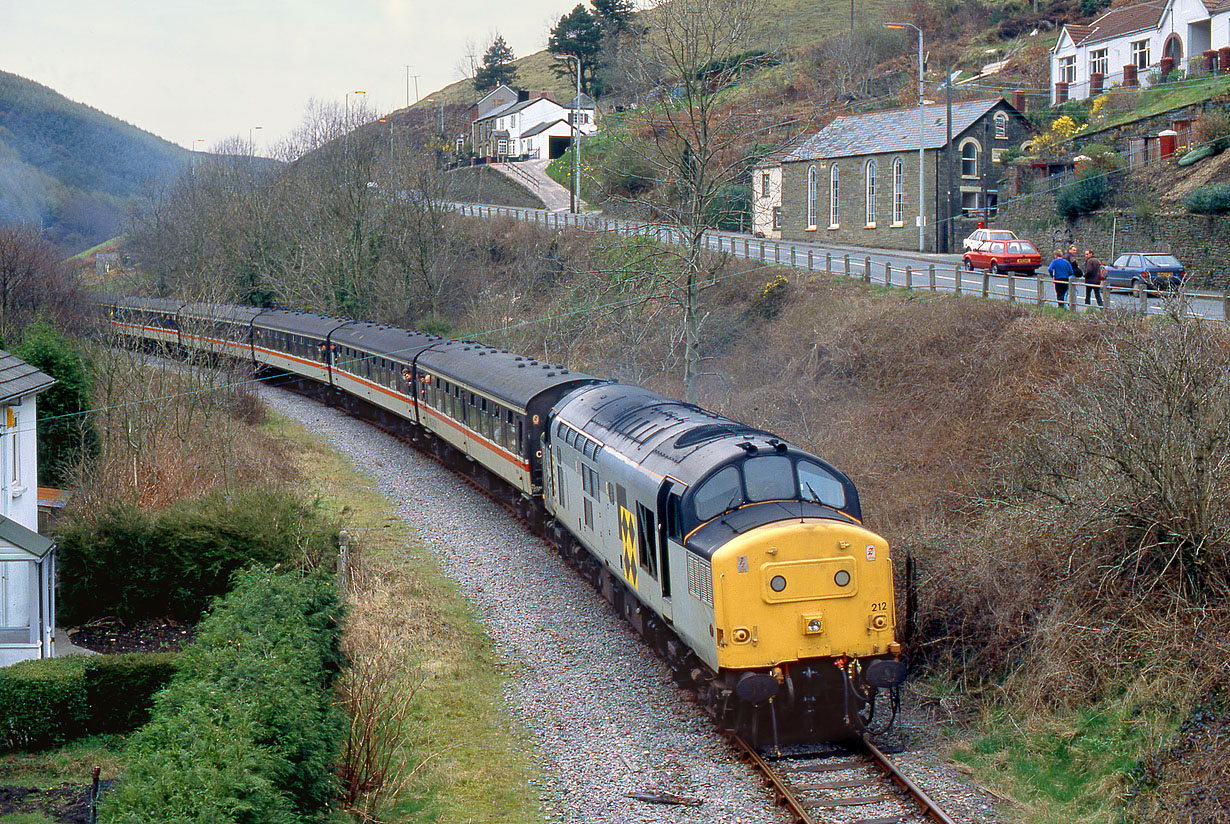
1061 272
1093 277
1074 257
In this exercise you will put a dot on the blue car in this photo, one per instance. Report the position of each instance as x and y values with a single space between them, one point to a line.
1152 270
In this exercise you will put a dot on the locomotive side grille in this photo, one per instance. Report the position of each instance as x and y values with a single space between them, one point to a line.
700 579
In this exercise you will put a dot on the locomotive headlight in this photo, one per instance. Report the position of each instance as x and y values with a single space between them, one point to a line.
842 578
778 583
813 626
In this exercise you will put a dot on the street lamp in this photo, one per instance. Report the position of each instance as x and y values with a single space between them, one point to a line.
921 128
576 135
389 120
441 102
251 145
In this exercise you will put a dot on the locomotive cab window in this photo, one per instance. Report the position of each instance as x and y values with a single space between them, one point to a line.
721 492
769 478
646 539
818 484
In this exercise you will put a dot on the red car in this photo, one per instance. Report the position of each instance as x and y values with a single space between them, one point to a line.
1004 256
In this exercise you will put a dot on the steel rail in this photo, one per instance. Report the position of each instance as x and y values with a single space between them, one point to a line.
785 796
929 807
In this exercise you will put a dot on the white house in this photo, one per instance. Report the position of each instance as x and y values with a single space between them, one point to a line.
1137 44
767 197
512 131
27 559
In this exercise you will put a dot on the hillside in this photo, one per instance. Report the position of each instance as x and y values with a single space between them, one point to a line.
787 24
70 168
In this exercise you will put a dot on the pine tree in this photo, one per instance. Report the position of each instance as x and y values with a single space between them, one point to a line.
615 16
497 67
578 33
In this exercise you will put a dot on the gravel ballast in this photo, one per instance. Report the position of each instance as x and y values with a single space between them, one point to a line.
607 718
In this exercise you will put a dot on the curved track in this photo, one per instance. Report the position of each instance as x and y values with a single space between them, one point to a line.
853 783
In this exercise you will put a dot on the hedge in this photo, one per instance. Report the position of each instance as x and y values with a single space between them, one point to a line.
247 731
135 566
44 703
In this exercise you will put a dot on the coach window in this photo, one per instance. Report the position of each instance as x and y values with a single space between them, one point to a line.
497 424
721 492
769 478
509 440
819 485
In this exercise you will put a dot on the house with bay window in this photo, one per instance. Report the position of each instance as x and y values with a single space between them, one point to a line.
27 559
1139 44
856 181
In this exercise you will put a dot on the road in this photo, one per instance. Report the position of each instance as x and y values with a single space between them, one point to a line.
912 270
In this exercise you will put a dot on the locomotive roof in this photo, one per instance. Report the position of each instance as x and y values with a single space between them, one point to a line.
511 378
665 436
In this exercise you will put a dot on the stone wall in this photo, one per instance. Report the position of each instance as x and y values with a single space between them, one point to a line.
479 184
1201 242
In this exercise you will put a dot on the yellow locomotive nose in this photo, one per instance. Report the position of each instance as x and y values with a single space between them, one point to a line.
813 588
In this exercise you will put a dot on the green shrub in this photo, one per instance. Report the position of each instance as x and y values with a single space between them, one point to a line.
136 566
67 433
120 689
248 730
1082 196
53 700
1211 199
43 702
730 207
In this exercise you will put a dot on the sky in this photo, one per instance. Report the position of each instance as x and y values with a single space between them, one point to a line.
196 72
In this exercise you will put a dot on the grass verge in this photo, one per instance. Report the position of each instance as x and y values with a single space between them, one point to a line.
461 758
1066 768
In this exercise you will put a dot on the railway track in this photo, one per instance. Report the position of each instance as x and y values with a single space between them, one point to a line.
842 784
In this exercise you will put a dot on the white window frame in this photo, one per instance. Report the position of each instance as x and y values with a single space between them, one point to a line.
811 197
898 193
968 142
834 197
1099 62
869 192
1001 125
764 184
15 451
1140 53
1067 69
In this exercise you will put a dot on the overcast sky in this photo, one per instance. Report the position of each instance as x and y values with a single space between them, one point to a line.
190 70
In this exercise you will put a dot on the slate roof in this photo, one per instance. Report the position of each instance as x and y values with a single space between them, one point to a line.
516 107
18 378
542 127
895 130
586 102
1121 21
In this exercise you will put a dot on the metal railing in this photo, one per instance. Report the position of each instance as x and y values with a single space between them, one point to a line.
1034 290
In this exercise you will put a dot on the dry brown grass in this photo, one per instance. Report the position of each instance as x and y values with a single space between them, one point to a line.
935 406
170 433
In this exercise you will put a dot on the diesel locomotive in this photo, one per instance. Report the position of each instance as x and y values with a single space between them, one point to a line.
741 558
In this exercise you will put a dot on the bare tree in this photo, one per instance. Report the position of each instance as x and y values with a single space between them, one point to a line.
33 280
696 139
